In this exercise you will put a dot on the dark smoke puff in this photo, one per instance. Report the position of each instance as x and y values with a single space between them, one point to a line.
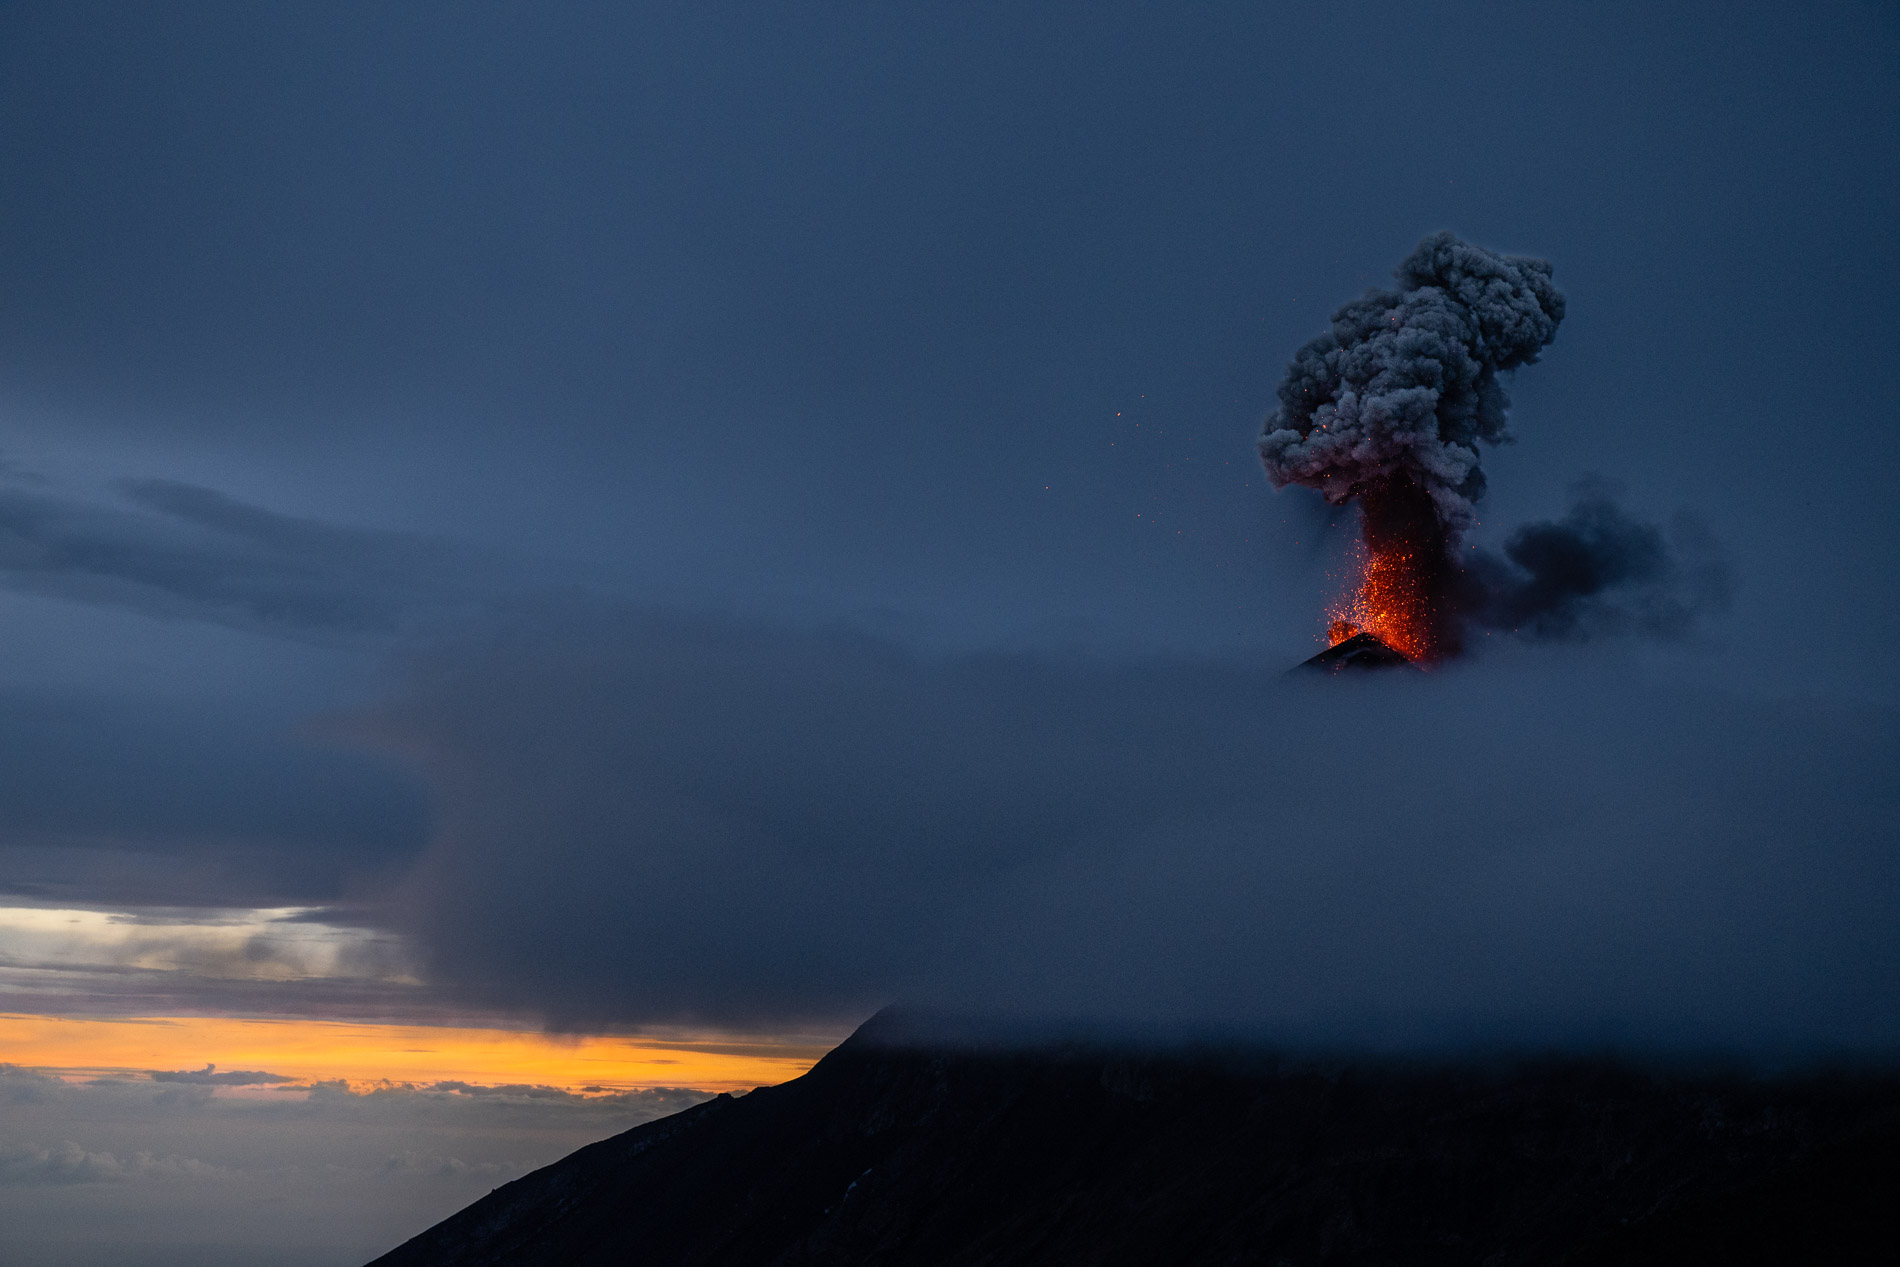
1598 572
1405 382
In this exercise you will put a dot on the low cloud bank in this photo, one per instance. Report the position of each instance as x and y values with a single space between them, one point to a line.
210 1077
127 1169
68 1163
648 818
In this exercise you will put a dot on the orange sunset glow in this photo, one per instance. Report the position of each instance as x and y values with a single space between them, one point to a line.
361 1054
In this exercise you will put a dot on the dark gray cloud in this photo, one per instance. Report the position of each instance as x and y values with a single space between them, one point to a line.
1405 383
154 800
186 789
178 551
61 991
1598 571
646 817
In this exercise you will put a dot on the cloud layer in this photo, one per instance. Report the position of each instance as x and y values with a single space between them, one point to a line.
656 818
152 800
166 1172
179 551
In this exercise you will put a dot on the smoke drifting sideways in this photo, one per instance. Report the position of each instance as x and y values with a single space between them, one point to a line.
1386 409
1597 572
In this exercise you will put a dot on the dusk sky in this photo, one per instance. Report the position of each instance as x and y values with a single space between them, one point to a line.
554 558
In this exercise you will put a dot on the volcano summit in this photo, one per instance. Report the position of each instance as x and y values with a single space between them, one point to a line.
1356 652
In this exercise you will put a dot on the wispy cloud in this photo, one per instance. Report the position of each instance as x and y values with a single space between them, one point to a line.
272 944
181 551
133 961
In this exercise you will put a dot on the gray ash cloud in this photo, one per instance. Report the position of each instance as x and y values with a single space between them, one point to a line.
1598 571
1386 410
1405 383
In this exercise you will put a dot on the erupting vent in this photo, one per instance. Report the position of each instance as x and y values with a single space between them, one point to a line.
1386 410
1390 602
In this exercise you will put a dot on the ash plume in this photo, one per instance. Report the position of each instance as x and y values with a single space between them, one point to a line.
1405 384
1386 409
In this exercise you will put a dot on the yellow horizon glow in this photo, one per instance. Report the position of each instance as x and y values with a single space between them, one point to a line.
365 1054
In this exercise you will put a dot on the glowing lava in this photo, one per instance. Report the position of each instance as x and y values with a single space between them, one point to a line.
1389 602
1402 588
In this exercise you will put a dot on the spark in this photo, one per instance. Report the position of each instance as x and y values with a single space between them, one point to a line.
1388 601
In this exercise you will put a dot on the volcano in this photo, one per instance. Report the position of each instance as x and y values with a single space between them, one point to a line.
1360 652
920 1146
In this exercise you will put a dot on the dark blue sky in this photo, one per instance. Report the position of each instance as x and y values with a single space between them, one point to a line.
343 347
846 310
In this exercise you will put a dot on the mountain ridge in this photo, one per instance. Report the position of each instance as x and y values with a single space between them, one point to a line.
912 1145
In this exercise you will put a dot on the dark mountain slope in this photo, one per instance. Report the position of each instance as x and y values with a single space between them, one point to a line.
1359 652
902 1149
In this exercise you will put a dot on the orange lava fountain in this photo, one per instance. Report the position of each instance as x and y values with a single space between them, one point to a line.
1389 602
1404 574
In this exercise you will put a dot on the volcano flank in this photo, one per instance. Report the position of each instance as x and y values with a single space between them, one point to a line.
913 1144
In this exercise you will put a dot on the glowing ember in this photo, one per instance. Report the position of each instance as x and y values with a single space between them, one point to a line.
1390 603
1402 587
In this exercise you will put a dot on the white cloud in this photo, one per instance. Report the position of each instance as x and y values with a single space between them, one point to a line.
268 944
66 1162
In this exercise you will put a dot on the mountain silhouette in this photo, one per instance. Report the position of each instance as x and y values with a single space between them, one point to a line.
915 1145
1355 654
